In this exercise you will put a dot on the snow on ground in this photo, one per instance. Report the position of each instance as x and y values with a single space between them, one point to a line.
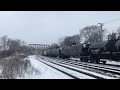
75 73
113 62
75 58
42 71
94 73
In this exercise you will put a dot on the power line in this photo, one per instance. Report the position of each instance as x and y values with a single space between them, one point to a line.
102 24
111 20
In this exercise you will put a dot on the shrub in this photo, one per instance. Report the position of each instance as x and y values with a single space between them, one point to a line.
13 66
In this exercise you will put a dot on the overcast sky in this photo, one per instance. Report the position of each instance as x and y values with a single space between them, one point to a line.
46 27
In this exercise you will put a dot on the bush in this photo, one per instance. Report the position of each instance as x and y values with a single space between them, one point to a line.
13 66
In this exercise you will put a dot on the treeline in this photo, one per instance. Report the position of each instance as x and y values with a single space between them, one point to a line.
89 34
12 57
9 46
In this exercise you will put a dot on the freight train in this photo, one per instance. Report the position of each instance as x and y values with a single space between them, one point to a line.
94 52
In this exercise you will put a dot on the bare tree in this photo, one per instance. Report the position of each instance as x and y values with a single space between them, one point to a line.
92 34
14 45
61 41
54 46
70 40
4 45
112 36
76 39
17 46
118 32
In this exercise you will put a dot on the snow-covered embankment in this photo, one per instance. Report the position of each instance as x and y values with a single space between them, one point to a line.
39 70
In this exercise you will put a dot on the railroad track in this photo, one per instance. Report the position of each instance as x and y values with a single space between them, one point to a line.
115 70
103 70
64 71
74 68
74 77
107 65
112 65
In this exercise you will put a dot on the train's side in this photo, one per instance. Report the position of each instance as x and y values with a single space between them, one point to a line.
64 52
51 52
73 51
105 50
99 51
95 52
47 53
55 52
116 51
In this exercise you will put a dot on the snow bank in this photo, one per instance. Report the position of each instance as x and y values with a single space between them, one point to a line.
42 71
113 62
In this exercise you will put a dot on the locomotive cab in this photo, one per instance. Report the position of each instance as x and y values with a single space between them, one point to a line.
85 54
85 49
114 47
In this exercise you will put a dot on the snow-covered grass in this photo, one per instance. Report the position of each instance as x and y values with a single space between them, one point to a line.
13 66
39 70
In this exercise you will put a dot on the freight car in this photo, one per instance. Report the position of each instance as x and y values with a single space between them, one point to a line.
95 52
105 50
55 52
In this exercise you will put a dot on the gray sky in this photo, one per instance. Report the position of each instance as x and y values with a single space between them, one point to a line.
46 27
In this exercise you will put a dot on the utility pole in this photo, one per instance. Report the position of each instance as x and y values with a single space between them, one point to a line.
101 25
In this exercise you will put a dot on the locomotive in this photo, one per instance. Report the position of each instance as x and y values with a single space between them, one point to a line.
94 52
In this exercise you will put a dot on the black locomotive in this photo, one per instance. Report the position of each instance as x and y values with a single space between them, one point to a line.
95 52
